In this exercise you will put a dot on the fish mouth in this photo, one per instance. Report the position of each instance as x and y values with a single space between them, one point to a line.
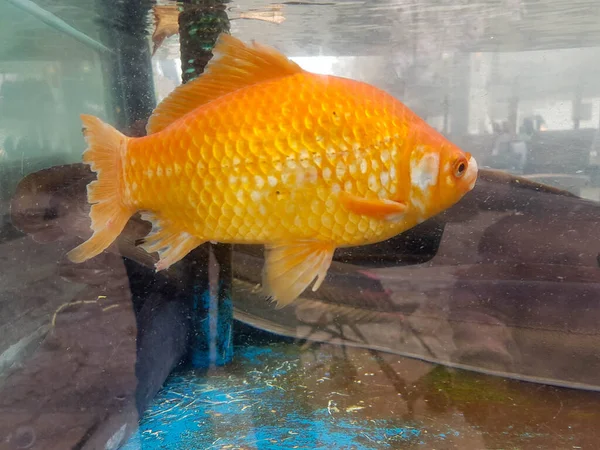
471 175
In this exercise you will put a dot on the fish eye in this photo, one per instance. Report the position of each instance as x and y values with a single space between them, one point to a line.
460 167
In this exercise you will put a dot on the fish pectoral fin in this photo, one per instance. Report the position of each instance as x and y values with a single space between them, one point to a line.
170 243
290 268
373 207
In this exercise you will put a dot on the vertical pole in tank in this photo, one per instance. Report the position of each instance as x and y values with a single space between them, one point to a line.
128 68
200 23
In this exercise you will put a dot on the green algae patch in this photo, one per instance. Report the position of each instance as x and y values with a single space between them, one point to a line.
465 387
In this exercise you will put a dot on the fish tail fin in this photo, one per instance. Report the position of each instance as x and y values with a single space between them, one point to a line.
108 213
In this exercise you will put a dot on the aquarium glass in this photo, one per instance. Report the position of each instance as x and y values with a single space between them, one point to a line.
476 327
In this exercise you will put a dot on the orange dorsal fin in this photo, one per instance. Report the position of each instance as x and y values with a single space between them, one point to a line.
234 65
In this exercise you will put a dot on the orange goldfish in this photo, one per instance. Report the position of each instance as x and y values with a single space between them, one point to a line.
259 151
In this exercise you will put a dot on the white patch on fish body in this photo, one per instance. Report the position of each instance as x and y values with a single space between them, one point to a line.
363 166
299 176
394 218
340 170
372 182
418 204
424 171
393 178
313 174
385 178
472 171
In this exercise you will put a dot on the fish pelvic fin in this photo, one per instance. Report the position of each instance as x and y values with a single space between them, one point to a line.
290 268
170 243
108 213
234 65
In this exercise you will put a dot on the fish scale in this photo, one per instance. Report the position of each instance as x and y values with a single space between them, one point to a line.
259 151
301 181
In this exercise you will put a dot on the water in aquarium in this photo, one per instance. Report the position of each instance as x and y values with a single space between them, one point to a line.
299 224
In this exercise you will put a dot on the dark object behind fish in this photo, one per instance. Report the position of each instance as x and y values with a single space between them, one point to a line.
506 282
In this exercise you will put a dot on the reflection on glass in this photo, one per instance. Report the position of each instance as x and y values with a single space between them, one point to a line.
475 329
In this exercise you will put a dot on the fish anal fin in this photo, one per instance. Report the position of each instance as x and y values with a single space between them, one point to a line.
170 243
290 268
373 207
234 65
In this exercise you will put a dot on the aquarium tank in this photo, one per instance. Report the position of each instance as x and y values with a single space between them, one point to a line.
299 224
